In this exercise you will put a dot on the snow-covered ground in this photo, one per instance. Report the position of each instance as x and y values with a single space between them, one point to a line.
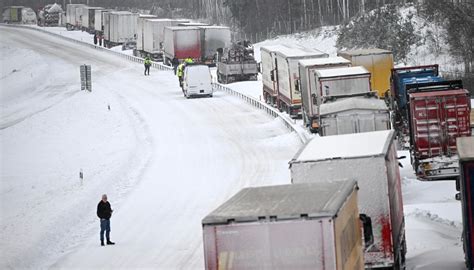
164 161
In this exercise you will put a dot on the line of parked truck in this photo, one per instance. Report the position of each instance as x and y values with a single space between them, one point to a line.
344 208
361 91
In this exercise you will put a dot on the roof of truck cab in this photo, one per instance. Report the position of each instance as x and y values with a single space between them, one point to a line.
345 146
324 61
342 71
93 7
284 202
465 147
355 103
359 52
288 52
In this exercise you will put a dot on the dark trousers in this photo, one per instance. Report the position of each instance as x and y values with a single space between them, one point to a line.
147 69
104 227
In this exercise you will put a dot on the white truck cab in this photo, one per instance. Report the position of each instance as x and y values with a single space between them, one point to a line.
197 81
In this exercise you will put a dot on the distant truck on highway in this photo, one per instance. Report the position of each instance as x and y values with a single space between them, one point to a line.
73 16
88 18
119 27
19 15
370 159
354 114
181 42
299 226
237 63
197 42
289 96
269 73
378 62
438 113
307 87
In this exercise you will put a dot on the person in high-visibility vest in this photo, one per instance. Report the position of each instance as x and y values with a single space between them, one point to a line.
180 72
147 63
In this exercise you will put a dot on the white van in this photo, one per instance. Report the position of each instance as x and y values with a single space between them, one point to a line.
197 81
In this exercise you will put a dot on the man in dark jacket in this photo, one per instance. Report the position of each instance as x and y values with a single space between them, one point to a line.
104 212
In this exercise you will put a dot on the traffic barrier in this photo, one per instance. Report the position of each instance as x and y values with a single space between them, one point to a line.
217 87
126 56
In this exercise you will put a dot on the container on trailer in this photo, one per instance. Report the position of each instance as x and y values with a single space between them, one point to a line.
141 29
289 96
153 36
71 19
466 181
353 115
439 113
333 82
120 27
378 62
370 159
88 18
182 42
213 38
269 72
300 226
99 19
307 87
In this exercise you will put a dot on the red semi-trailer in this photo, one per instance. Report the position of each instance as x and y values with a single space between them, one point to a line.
439 112
182 42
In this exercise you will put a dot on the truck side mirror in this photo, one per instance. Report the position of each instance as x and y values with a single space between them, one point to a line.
272 75
367 227
402 157
259 67
297 85
458 196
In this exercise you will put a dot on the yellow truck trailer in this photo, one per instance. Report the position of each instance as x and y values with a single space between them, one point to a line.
379 62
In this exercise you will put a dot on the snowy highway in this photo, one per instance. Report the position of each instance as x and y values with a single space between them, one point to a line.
164 161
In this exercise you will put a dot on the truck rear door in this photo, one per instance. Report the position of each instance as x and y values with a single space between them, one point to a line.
438 118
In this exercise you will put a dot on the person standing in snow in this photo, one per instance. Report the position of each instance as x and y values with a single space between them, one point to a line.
104 212
175 64
147 63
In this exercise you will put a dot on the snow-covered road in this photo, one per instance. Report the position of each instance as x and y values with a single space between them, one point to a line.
164 161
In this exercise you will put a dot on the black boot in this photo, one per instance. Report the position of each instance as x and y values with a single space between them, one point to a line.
102 242
110 242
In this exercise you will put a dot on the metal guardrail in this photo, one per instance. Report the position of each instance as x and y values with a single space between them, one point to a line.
217 87
126 56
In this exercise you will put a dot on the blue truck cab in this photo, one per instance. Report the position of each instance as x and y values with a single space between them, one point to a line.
401 77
